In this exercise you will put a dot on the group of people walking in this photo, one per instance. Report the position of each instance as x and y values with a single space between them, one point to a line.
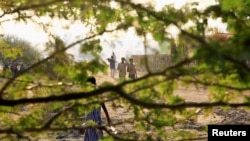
123 68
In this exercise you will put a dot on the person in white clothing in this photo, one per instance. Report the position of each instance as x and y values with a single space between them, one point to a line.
122 68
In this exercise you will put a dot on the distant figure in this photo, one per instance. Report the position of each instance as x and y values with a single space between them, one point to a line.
5 68
112 66
91 133
21 68
114 56
13 68
122 68
132 74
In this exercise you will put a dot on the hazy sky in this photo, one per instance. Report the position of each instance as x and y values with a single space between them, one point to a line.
124 45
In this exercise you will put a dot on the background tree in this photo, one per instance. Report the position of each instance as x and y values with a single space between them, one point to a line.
26 54
151 97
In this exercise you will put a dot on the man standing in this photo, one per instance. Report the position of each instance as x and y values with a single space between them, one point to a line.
112 66
91 133
122 68
131 70
114 56
13 68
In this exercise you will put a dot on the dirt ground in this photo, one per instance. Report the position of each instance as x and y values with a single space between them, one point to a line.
218 116
191 94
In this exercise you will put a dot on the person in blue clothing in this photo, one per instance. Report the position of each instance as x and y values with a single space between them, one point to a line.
91 133
112 66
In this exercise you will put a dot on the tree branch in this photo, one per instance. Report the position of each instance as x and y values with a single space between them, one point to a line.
135 101
31 6
218 85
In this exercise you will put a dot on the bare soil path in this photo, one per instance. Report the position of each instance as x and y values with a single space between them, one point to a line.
191 94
